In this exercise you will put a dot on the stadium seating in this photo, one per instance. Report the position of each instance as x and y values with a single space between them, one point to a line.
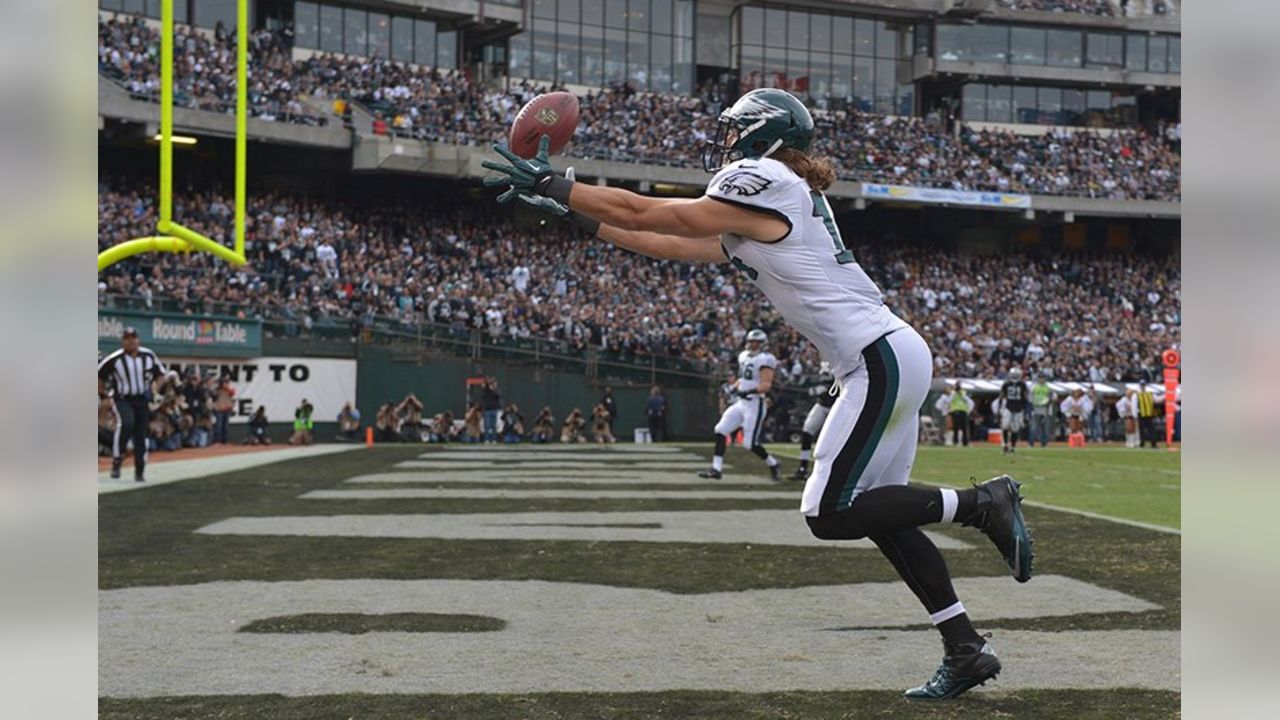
1077 317
654 129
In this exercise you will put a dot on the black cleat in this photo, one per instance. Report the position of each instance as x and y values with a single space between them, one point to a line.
801 473
775 472
999 517
115 470
710 473
965 667
139 478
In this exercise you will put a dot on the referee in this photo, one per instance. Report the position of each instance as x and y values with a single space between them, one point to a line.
130 371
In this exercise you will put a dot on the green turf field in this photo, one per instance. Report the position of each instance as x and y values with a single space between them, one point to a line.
148 544
1142 485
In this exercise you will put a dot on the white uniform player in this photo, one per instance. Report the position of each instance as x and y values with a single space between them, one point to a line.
747 412
824 394
765 212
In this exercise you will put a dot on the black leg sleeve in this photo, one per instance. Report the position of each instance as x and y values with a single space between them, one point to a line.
920 565
879 511
141 423
720 444
806 441
760 452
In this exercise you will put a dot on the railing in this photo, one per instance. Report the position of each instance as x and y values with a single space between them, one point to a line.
412 341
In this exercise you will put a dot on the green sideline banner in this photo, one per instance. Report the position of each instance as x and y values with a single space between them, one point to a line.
174 334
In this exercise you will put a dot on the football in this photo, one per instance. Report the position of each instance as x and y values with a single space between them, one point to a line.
554 114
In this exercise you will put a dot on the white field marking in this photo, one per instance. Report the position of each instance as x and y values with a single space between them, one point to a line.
601 465
755 527
557 447
1074 511
548 456
583 477
160 473
601 494
162 641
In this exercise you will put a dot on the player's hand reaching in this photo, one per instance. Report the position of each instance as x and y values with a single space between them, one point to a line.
522 175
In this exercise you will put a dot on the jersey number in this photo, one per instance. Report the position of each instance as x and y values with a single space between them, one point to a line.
746 372
822 210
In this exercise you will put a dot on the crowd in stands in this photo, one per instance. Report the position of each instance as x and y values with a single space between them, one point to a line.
205 69
619 124
1079 317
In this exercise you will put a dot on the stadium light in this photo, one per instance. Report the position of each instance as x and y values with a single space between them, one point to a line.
179 139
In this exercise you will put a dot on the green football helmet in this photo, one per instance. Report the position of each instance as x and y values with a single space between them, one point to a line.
756 126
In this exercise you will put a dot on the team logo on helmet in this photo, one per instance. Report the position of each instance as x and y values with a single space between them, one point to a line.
547 116
744 183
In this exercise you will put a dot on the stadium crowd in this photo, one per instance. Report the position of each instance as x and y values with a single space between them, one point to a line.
1076 317
619 124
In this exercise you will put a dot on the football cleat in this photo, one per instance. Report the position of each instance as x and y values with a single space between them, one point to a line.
801 473
710 473
115 470
999 517
965 667
775 472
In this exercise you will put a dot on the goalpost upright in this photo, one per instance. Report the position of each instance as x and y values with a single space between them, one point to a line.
174 237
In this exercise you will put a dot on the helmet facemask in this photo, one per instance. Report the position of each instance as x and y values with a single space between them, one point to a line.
729 146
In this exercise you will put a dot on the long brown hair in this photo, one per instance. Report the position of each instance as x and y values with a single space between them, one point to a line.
819 172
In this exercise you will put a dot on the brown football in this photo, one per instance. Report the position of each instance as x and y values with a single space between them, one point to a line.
554 114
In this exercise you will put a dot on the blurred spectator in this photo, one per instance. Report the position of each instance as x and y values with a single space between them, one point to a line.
302 424
1104 8
349 422
512 424
544 427
409 415
441 428
223 405
600 431
1042 406
491 404
959 408
572 430
655 410
472 424
1076 409
611 407
258 428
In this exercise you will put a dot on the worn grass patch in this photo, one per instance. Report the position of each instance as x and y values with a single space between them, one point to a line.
359 623
1037 704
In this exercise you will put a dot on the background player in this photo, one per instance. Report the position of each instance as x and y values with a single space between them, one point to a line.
824 395
765 213
756 368
1013 409
128 374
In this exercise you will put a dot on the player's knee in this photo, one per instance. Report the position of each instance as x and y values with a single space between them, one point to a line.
836 526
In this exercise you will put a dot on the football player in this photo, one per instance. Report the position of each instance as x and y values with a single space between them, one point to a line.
756 368
765 212
1013 409
824 395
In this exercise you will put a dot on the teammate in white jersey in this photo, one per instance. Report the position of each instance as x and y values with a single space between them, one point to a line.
765 212
756 368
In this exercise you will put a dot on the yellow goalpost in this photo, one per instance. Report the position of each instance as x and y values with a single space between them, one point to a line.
172 236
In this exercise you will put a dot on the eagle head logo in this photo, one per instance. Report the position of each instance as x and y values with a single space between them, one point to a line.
744 183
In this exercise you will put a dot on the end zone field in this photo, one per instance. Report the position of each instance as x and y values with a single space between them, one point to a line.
611 582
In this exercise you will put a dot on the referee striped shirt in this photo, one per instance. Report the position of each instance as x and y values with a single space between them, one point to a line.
131 374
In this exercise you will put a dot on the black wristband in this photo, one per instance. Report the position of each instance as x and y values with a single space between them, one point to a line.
555 187
583 222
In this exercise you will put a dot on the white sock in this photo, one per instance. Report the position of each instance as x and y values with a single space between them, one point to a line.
947 613
717 462
950 501
806 455
771 460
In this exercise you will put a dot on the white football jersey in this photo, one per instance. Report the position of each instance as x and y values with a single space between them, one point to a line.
749 367
808 275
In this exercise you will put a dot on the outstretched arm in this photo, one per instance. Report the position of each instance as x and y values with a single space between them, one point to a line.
683 218
664 247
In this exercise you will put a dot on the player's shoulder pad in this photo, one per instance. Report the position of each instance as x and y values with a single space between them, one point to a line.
768 360
749 180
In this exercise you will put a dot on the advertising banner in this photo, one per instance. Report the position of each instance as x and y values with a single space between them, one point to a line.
174 334
280 384
874 191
